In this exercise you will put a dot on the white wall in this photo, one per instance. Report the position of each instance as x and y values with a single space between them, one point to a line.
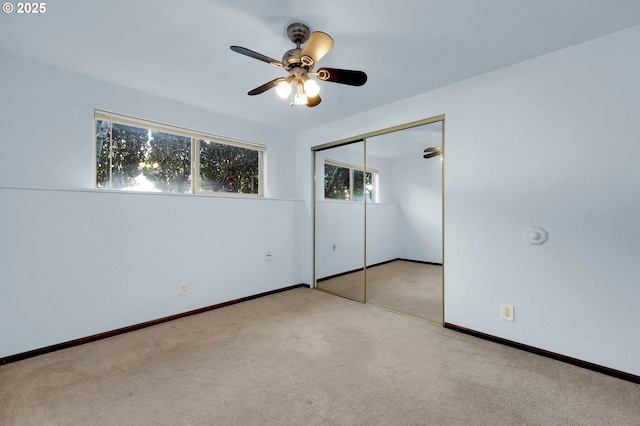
550 142
417 185
340 237
383 218
340 225
76 261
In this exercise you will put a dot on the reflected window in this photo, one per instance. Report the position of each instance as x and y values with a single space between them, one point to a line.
337 182
346 182
362 186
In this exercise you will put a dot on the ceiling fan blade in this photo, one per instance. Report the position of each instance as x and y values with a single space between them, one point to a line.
313 101
256 55
431 155
433 149
350 77
319 44
270 85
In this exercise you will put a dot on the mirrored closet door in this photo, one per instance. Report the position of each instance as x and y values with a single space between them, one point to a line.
379 219
404 223
340 228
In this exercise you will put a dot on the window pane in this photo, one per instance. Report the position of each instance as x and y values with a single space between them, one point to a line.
103 135
120 149
358 185
167 167
138 159
227 168
336 182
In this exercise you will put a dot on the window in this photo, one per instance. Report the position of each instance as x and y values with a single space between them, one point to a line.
349 183
227 168
138 155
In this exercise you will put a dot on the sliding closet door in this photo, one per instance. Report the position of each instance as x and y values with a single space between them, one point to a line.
404 222
340 195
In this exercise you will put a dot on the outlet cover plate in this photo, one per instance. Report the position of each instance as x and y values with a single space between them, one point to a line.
507 312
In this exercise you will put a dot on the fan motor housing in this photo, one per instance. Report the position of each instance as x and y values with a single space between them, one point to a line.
298 33
291 57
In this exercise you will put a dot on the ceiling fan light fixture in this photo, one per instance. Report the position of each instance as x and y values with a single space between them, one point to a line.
299 62
311 88
283 89
300 98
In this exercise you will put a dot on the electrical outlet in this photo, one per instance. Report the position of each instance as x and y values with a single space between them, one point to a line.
183 289
507 312
268 256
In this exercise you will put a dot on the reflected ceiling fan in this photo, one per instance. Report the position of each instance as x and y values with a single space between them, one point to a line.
432 152
299 63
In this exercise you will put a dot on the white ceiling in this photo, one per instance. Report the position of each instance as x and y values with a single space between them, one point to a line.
406 143
180 49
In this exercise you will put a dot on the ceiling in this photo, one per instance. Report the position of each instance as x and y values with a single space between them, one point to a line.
180 49
406 143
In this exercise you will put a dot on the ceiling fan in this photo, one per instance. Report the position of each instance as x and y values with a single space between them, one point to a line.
432 152
299 63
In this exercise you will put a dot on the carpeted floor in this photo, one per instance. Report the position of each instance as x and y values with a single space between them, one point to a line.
305 357
409 287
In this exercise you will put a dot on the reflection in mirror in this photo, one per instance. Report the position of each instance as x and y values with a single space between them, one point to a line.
340 193
404 223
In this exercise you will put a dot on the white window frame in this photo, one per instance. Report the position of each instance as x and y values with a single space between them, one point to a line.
195 137
352 168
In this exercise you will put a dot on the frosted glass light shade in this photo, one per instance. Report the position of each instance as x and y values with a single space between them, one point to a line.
283 89
311 88
300 99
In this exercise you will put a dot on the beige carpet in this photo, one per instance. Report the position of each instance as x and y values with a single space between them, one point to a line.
349 285
304 357
409 287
